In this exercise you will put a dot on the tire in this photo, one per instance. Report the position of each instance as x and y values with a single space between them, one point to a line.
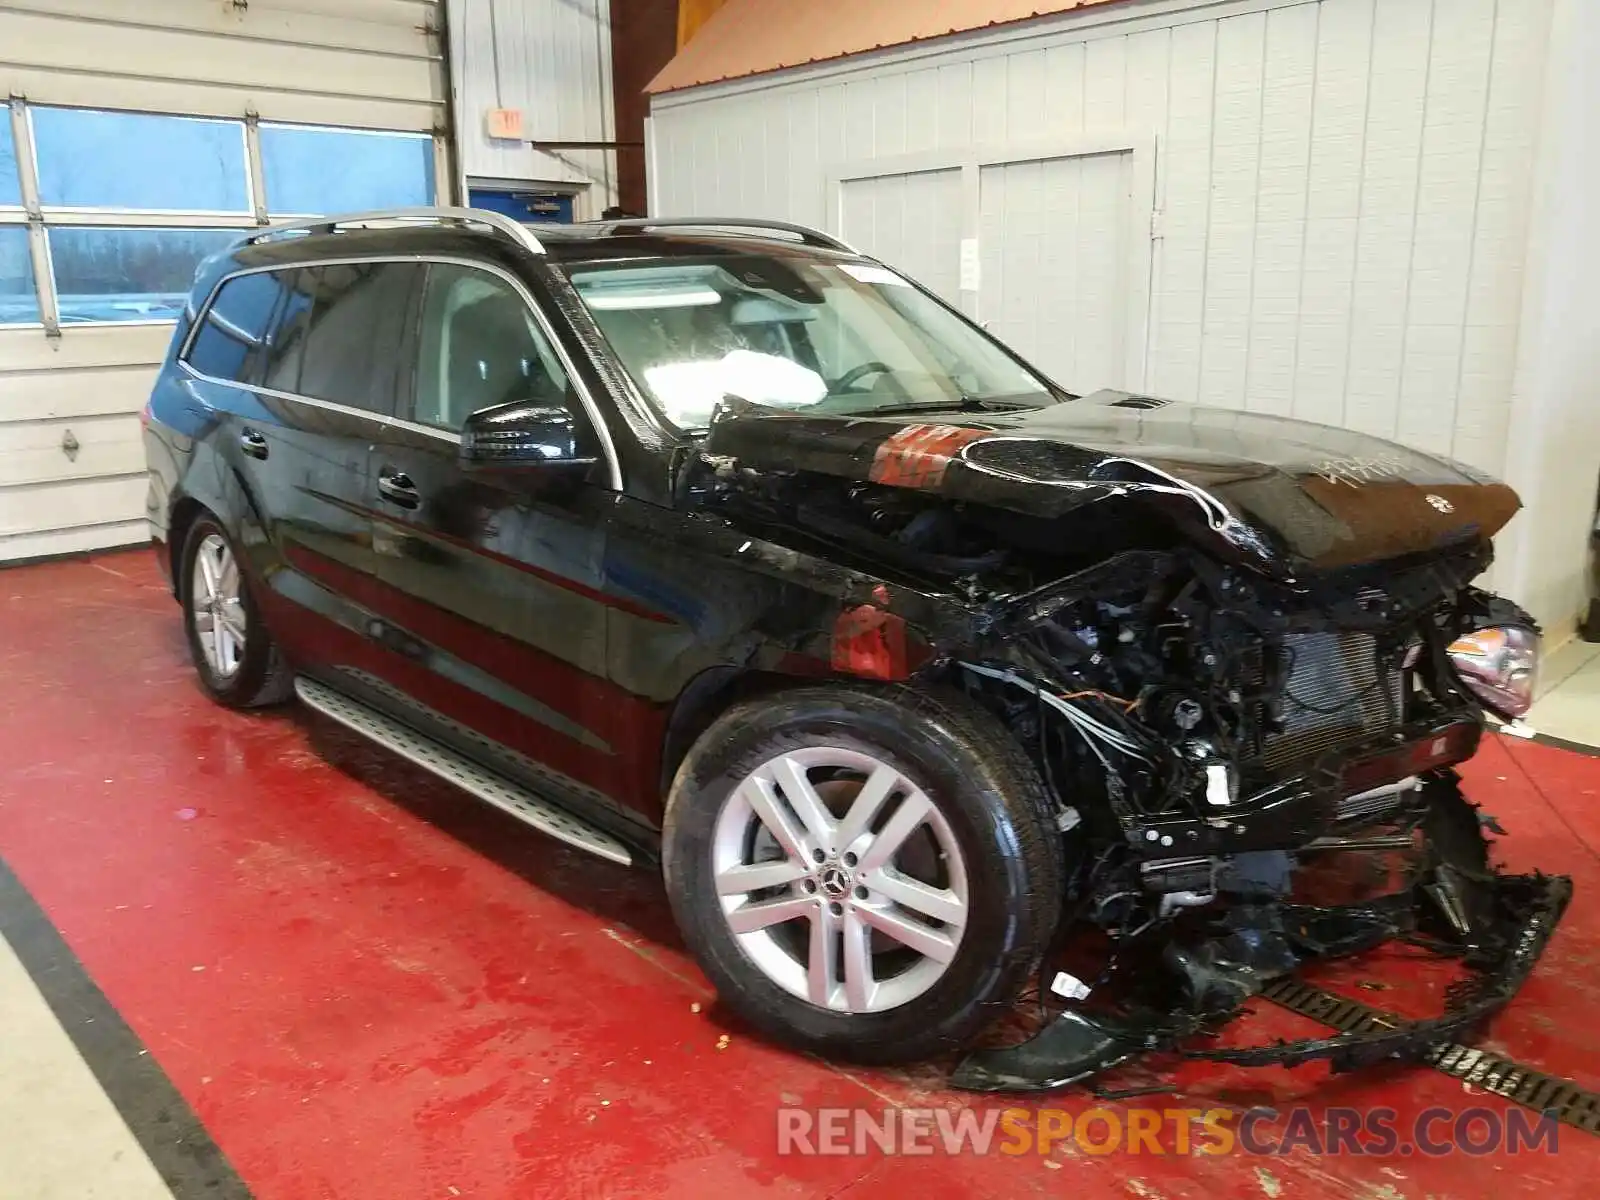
986 801
258 675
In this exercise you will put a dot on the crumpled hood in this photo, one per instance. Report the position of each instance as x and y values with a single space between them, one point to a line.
1287 494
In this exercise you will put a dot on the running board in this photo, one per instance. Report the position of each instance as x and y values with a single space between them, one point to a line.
461 771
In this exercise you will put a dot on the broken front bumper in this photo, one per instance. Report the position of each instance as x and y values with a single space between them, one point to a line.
1496 925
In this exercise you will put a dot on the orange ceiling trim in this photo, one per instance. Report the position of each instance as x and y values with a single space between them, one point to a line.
752 37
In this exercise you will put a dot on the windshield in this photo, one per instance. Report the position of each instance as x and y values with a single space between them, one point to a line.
794 333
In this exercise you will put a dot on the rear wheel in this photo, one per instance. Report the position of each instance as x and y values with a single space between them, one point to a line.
865 873
234 655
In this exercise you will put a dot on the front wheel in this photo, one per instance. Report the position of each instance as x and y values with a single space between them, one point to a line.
865 873
234 654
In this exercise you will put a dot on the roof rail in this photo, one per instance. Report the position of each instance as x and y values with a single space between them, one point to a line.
498 222
807 235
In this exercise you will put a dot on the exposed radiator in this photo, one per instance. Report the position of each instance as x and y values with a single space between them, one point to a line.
1337 694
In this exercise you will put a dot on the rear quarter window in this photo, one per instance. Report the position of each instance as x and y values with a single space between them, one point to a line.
232 338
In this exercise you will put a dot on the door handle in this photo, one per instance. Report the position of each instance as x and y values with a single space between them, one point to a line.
253 444
397 488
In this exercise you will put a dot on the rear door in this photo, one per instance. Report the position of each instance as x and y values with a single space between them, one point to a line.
323 378
225 358
341 341
494 590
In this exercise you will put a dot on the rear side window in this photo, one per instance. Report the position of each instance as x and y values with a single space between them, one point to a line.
232 336
286 341
352 342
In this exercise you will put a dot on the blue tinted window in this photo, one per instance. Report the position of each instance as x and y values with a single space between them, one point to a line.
332 171
19 304
357 323
230 341
10 181
139 161
129 274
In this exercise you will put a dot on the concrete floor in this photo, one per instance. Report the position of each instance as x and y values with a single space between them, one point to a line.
361 984
61 1138
1568 707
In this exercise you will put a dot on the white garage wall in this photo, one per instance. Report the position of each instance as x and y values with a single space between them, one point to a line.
354 63
1554 444
1342 186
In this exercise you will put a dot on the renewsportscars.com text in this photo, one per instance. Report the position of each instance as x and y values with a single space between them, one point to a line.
1177 1131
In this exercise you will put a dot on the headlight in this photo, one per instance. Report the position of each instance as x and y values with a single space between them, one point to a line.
1499 664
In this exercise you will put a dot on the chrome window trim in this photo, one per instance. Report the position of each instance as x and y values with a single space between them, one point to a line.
596 418
328 406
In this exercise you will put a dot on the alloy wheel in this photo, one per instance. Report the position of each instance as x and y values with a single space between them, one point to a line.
216 600
840 879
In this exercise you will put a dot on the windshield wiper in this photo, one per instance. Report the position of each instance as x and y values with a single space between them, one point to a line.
964 404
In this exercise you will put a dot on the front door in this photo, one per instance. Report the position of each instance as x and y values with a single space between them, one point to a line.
493 590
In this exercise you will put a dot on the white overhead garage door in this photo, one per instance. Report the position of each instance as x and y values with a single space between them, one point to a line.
140 138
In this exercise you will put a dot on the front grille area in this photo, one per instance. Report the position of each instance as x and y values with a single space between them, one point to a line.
1337 693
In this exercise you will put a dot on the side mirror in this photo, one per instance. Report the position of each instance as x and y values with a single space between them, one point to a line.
520 436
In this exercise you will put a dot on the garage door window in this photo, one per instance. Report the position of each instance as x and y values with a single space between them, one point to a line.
139 162
10 177
19 304
123 206
128 274
375 170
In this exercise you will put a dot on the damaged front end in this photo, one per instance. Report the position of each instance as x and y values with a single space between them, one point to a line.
1235 679
1220 744
1170 986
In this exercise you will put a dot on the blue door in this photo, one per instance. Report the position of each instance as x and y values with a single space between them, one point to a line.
525 206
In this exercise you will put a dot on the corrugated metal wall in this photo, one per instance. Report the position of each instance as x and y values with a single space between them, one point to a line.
552 60
1341 187
357 63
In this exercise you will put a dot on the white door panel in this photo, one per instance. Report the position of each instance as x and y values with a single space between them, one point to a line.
912 222
1055 264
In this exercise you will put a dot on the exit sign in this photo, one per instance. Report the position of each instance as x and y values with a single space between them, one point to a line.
504 123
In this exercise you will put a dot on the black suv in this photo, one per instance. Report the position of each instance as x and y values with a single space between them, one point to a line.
719 544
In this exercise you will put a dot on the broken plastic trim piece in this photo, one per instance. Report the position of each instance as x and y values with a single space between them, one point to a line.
1078 1045
1070 1049
1540 901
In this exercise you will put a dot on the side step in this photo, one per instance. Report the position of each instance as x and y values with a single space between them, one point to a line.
464 773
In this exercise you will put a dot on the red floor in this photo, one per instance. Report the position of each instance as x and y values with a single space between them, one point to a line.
368 986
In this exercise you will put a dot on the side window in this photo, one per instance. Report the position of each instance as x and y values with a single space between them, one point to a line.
480 346
352 341
232 335
286 341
